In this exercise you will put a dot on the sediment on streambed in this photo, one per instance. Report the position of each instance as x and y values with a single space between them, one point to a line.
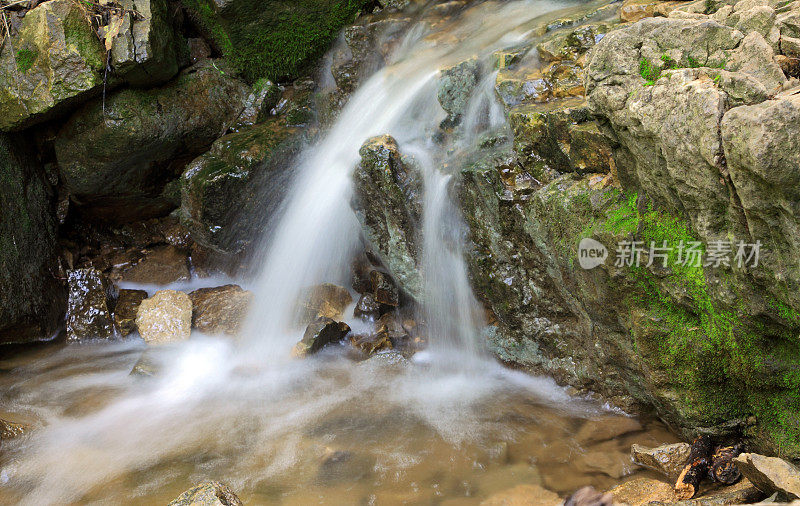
600 193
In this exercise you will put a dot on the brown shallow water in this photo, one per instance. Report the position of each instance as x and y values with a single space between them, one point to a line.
321 431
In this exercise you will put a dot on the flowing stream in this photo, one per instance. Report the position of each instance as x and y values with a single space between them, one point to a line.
450 423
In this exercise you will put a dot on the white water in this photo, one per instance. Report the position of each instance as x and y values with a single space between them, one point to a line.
245 413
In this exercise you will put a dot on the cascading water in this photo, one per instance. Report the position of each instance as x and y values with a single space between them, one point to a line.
324 429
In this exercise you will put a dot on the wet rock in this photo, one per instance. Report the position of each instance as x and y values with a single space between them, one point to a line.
210 493
741 493
456 86
91 298
642 491
390 325
321 332
362 52
258 104
384 289
524 495
161 265
606 428
367 307
145 51
147 366
325 300
516 86
54 61
165 317
634 10
220 310
770 474
571 44
125 310
11 430
387 203
32 298
120 158
588 496
248 167
343 467
667 459
372 343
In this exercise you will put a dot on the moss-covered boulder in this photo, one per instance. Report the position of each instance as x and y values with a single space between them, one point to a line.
248 167
387 202
32 297
119 158
273 38
53 61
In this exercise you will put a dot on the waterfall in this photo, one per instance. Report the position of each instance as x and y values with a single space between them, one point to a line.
318 234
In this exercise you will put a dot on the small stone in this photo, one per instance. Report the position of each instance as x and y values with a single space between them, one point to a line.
325 300
165 317
160 266
88 313
11 430
367 307
523 495
126 309
319 333
667 459
770 474
220 310
643 491
384 288
210 493
371 343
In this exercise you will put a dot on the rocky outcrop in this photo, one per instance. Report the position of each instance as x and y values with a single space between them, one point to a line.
117 156
31 295
210 493
91 302
387 202
165 317
249 167
220 310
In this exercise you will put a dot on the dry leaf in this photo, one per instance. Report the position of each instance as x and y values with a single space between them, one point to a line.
112 30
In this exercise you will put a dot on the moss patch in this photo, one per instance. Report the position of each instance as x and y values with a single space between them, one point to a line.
26 58
275 39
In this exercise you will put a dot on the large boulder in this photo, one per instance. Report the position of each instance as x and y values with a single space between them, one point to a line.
160 265
387 202
91 302
118 155
210 493
165 317
770 474
32 297
249 167
145 52
53 61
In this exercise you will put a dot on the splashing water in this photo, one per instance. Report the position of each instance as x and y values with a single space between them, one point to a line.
322 429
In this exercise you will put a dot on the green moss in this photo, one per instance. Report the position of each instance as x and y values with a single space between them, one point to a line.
274 39
80 36
726 364
26 58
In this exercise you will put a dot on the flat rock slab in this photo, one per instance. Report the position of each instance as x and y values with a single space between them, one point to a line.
667 459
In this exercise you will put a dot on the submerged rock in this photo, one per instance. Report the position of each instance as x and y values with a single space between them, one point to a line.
54 61
456 86
210 493
165 317
321 332
667 459
117 158
367 307
220 310
770 474
126 309
91 298
372 343
524 495
11 430
32 298
643 491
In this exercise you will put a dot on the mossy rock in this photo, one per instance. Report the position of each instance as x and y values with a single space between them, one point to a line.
274 39
53 61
